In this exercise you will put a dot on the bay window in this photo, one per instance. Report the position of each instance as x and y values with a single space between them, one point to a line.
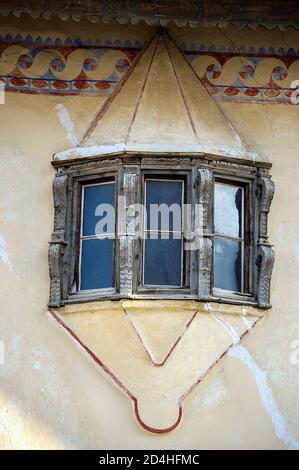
201 232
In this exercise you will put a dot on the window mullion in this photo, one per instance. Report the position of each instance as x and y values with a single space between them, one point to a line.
191 235
128 238
204 230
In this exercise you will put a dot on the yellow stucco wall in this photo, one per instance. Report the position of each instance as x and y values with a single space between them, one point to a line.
51 395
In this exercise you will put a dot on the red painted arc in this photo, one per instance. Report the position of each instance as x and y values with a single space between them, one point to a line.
128 392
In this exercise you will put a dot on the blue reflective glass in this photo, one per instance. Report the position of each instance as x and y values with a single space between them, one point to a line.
228 210
162 262
96 264
227 264
167 193
98 198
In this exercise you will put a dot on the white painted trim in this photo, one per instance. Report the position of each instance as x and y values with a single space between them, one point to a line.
154 148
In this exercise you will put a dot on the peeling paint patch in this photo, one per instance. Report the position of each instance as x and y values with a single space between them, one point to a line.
215 394
247 322
208 307
266 396
36 365
66 120
13 357
229 329
4 256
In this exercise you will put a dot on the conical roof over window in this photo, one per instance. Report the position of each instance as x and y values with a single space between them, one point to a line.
161 108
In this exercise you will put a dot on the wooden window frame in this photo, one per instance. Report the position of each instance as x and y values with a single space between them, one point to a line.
77 281
172 291
129 173
248 210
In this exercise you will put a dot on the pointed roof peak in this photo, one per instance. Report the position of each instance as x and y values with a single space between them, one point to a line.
161 106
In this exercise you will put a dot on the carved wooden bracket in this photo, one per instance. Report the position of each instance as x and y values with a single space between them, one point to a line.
265 253
267 189
265 263
58 242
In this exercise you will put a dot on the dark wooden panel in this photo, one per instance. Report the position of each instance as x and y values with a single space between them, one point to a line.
251 12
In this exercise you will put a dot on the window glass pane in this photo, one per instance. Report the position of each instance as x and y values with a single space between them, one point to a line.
168 193
227 264
96 264
97 200
162 262
228 210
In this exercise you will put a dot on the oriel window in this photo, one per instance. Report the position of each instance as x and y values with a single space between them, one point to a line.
161 228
